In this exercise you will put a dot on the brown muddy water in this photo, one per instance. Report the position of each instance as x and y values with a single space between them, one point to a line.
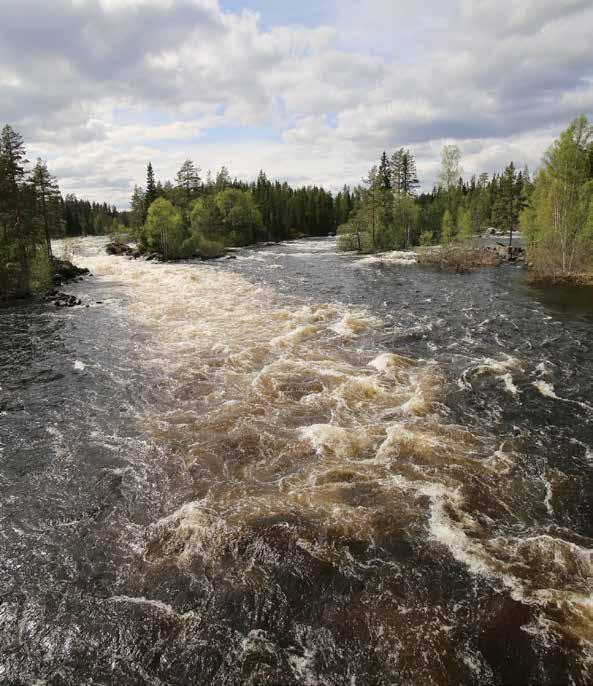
296 467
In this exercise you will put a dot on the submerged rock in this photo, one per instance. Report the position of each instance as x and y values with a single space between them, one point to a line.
60 299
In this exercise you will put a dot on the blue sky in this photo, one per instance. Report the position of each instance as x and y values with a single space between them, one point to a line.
279 13
308 91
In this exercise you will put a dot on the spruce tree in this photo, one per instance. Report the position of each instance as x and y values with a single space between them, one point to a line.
188 179
509 200
384 172
18 234
47 193
150 194
408 175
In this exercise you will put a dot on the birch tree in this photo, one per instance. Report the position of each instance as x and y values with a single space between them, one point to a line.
558 223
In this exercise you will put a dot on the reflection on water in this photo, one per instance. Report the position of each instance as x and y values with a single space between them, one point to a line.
296 467
566 301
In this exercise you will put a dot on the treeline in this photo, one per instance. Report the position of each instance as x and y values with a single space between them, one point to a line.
30 215
392 215
194 216
554 209
84 218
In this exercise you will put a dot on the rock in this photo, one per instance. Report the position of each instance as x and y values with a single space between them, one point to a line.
66 271
119 249
63 299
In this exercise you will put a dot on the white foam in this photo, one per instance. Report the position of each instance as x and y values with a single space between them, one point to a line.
546 389
509 384
154 604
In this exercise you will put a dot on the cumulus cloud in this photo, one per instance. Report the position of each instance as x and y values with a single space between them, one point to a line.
101 86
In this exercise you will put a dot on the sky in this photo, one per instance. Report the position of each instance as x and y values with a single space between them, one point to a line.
311 92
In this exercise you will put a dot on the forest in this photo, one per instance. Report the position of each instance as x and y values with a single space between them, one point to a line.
32 213
195 216
553 210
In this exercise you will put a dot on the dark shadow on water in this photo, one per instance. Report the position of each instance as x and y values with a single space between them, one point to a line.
568 302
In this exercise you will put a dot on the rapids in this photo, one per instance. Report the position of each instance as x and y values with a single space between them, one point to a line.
296 467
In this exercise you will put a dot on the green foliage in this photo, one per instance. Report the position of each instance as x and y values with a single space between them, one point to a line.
150 194
240 218
117 232
84 218
509 200
25 210
405 220
558 221
137 212
450 170
164 229
41 271
448 229
230 217
426 238
404 175
465 226
349 238
208 249
188 181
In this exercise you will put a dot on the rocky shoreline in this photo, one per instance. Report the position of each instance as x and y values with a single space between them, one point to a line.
64 272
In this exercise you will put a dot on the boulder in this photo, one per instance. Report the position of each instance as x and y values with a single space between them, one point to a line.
60 299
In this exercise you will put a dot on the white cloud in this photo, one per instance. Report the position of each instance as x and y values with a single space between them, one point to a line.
113 83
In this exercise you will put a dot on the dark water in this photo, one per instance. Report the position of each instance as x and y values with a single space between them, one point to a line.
297 467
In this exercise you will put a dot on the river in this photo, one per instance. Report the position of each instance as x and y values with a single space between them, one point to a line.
296 467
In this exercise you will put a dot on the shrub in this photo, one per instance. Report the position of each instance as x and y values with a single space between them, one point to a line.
208 249
42 271
458 259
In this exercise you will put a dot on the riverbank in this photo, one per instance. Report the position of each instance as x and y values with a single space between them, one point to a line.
577 279
61 272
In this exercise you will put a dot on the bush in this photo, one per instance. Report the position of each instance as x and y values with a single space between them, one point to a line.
42 271
348 239
117 233
426 238
458 259
208 249
164 229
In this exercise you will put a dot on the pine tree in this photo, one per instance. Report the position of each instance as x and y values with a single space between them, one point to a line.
509 201
188 179
396 171
408 175
16 231
384 172
223 179
138 209
150 194
47 193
